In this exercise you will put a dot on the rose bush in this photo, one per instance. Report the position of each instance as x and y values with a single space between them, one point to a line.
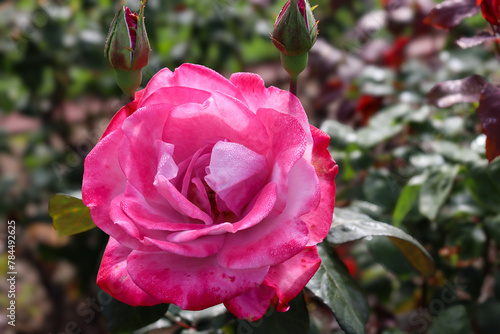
212 191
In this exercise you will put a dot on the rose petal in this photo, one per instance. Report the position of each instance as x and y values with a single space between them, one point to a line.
167 170
127 110
268 243
288 141
133 235
187 175
142 149
236 174
200 195
98 191
260 208
174 96
221 117
290 277
192 76
199 248
258 96
190 283
253 304
320 219
179 202
153 216
303 193
114 279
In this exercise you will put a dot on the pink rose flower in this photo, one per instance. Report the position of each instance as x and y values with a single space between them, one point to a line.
212 191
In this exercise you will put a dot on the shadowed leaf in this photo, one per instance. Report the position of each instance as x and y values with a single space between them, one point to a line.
482 182
349 226
450 13
123 318
445 94
293 321
436 189
385 252
69 215
452 320
333 284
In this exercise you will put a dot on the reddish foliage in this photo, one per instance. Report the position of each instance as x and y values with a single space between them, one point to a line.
367 106
489 115
395 56
450 13
467 90
482 37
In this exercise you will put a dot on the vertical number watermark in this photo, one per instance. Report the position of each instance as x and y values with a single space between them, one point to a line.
11 272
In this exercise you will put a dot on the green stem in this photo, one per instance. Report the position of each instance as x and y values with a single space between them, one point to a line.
294 65
293 84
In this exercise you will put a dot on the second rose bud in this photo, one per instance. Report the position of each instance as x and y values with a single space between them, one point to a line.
127 48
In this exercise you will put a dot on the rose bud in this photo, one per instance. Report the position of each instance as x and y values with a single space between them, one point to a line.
127 48
294 34
295 29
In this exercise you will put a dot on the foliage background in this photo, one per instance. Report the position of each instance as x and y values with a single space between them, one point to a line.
366 85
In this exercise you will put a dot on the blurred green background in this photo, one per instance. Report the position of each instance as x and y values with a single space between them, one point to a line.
365 85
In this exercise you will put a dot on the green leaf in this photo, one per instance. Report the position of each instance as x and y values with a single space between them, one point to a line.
482 182
487 316
455 152
369 136
388 254
452 320
436 189
493 227
333 284
69 215
405 203
293 321
384 125
123 318
496 288
342 135
381 188
390 115
350 226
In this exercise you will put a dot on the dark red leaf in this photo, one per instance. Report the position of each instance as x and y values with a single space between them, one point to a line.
450 13
490 11
489 116
445 94
367 106
467 42
492 149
